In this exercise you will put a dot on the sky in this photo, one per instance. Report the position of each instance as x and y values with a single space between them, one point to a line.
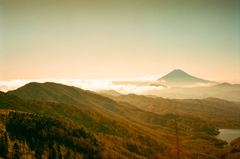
119 39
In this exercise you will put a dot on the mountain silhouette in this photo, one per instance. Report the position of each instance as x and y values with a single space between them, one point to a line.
179 78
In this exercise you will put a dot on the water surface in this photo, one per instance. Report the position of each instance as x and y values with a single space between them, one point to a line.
228 134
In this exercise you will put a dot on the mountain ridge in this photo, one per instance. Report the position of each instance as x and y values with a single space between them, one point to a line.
226 91
202 108
101 104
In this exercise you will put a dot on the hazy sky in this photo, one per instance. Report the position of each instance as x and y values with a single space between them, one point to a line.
119 39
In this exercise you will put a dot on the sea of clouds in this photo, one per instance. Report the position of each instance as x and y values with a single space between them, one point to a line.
124 86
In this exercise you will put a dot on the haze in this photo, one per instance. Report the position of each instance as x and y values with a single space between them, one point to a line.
119 39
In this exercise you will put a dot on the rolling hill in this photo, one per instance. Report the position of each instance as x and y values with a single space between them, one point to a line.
52 92
225 91
109 92
222 113
115 137
138 130
106 130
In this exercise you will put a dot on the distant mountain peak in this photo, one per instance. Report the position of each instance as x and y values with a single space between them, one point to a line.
177 73
177 70
179 78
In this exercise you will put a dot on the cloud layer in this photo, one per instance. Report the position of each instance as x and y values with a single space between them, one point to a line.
124 86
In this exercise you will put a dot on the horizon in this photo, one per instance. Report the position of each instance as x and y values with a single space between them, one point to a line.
138 78
124 86
119 40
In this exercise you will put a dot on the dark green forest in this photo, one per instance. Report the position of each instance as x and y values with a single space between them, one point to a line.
40 136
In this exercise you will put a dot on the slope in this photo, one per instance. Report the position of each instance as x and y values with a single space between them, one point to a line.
106 129
224 91
109 92
34 136
221 113
119 137
75 96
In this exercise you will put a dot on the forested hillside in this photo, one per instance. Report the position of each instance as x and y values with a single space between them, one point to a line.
129 126
65 94
219 112
117 137
27 135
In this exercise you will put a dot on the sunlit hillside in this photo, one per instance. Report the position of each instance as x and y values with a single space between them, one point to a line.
137 124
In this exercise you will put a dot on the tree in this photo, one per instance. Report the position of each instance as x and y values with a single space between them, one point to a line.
24 146
176 127
38 150
16 151
67 155
59 152
4 145
2 148
175 149
38 153
52 153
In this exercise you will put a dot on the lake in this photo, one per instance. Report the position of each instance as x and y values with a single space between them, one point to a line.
228 134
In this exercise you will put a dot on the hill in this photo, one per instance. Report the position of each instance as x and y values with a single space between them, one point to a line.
179 78
107 130
225 91
222 113
232 151
109 92
115 137
89 100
